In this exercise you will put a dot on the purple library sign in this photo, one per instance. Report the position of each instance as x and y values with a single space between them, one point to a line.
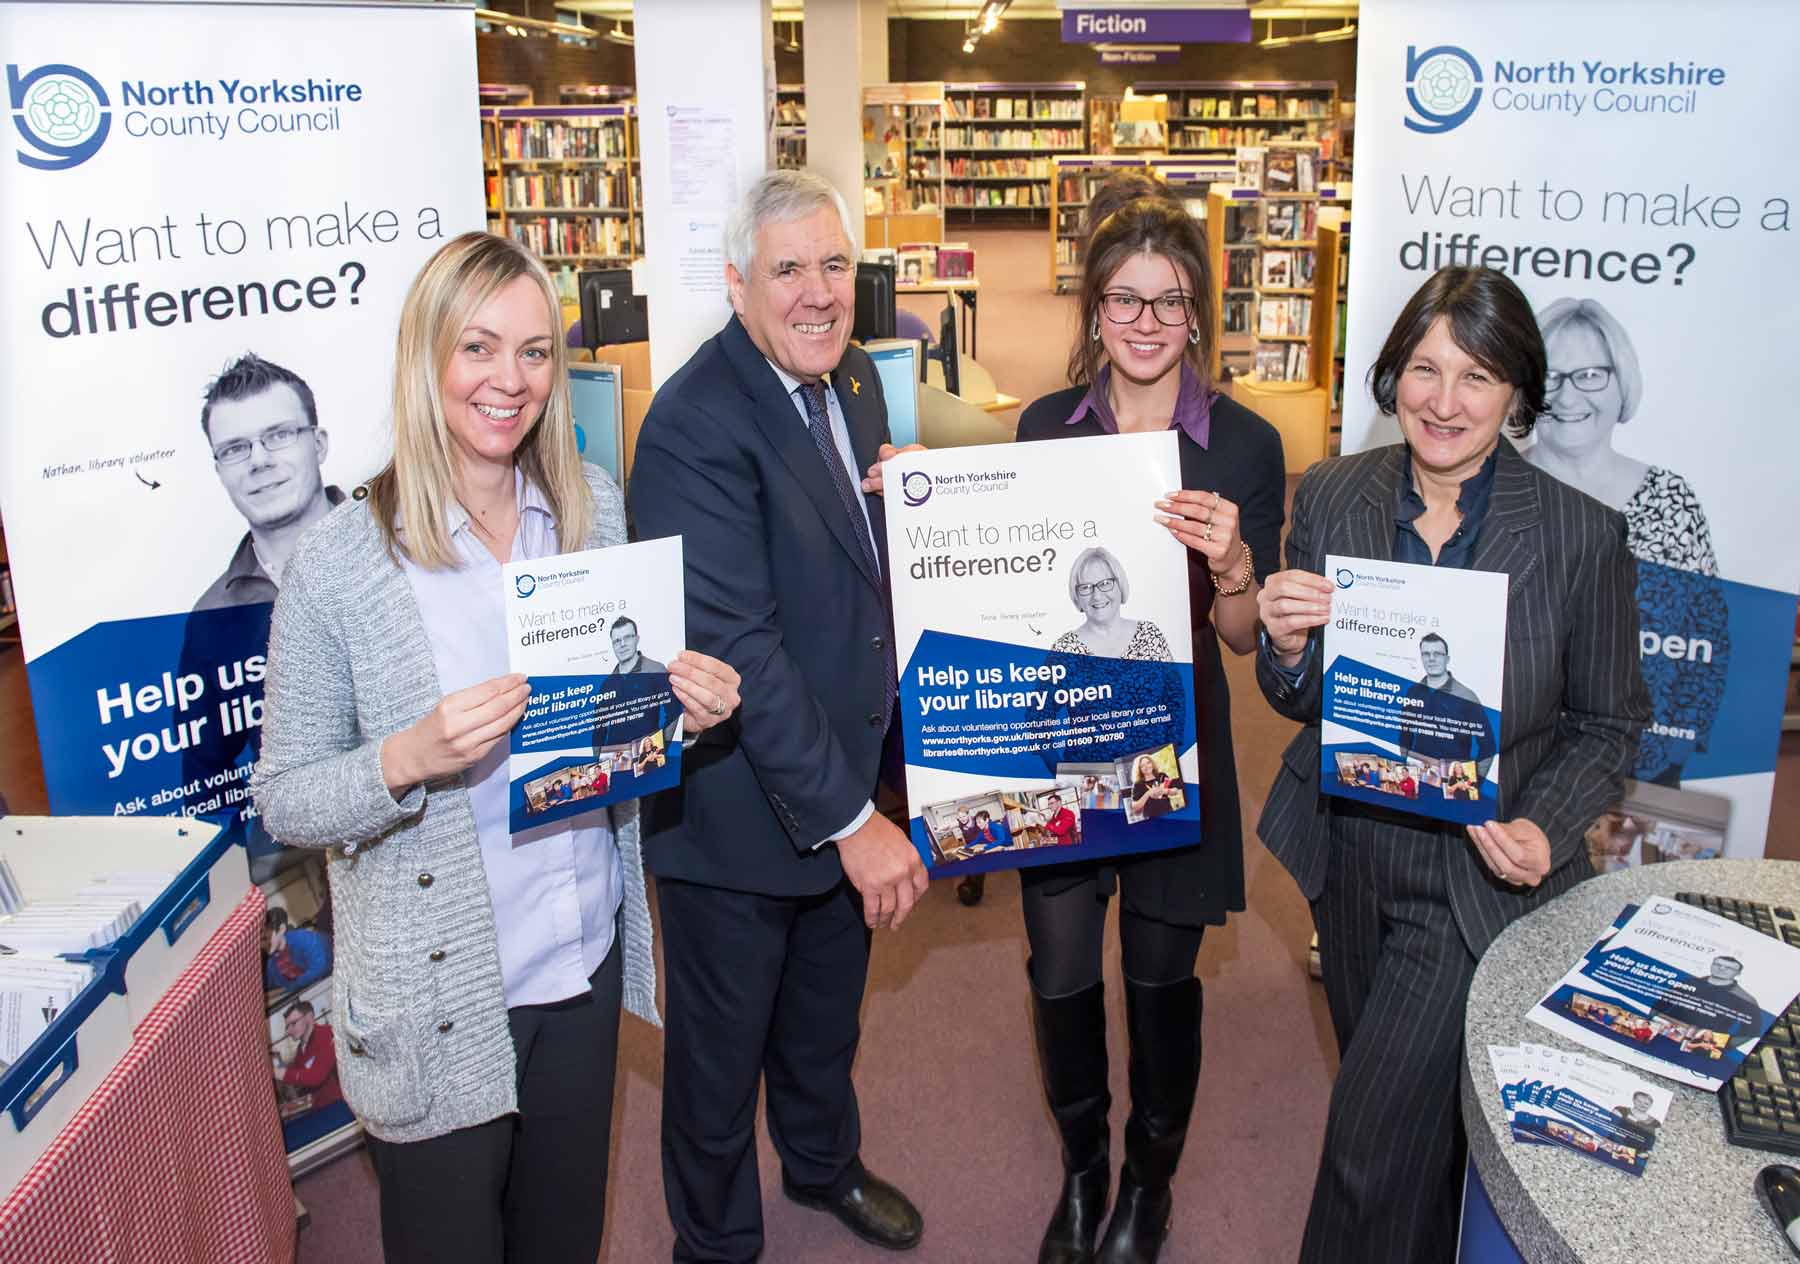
1138 56
1156 26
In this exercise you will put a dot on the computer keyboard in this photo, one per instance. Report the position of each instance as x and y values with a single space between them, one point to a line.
1761 1103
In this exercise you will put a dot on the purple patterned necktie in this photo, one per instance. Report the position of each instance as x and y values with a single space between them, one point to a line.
818 424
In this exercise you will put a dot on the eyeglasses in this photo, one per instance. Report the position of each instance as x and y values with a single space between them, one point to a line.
1122 307
1593 378
274 439
1104 586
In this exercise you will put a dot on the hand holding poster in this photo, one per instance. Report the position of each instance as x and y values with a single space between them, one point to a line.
1045 650
594 632
1401 728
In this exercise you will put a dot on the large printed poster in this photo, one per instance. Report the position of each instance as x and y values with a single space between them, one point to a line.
1619 172
208 218
1045 652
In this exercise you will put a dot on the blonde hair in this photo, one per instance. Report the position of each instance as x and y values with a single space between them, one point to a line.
1612 336
1104 556
418 485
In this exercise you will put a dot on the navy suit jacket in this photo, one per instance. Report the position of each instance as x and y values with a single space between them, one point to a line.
778 587
1573 698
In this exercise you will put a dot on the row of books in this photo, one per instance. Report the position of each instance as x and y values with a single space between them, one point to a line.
8 603
1284 316
992 168
1284 362
979 106
790 113
1234 314
1287 269
1289 171
1240 269
1259 105
1022 195
1290 221
613 188
574 235
556 138
1232 137
1012 138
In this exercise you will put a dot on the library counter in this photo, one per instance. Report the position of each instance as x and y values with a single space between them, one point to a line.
1695 1200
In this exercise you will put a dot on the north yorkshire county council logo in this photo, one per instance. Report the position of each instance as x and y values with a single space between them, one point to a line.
62 112
915 488
1345 577
1443 87
525 585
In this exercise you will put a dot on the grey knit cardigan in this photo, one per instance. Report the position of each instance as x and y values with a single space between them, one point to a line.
418 1015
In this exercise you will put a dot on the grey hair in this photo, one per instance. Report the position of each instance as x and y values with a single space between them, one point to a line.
1112 564
778 198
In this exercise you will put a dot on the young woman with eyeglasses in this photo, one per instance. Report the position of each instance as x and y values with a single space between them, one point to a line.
1142 362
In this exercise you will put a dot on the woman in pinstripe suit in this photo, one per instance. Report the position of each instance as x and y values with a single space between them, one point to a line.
1405 907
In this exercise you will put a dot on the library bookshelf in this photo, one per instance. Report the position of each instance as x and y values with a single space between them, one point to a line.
903 163
1074 178
1332 304
1221 115
1001 140
790 125
564 180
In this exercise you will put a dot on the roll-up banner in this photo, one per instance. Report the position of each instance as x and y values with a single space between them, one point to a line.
209 216
1620 172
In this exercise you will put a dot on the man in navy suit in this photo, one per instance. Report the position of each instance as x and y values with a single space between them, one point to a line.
772 864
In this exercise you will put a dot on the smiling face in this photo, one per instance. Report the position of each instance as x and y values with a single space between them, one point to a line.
1145 349
298 1024
1097 591
499 376
1577 421
625 643
270 488
798 300
1450 407
1434 657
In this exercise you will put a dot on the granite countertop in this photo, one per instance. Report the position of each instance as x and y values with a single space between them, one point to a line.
1695 1200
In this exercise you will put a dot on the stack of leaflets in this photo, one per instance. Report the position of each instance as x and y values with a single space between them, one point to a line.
10 899
33 991
1674 990
1588 1105
74 925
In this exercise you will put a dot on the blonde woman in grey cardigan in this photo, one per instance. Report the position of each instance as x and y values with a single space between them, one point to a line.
479 974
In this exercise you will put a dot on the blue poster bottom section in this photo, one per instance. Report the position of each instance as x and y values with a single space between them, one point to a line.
1063 757
1430 751
610 738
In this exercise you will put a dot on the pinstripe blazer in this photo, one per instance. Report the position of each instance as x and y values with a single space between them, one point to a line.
1572 704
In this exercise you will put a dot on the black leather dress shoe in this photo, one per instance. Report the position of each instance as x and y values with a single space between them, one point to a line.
872 1209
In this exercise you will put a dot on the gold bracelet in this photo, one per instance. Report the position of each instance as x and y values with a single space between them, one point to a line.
1243 581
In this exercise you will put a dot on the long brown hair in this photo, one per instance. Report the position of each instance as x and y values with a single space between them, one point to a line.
1148 225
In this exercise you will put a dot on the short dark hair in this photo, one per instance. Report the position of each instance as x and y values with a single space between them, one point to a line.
251 375
983 815
1146 225
298 1007
620 622
1433 636
1733 960
1490 320
275 918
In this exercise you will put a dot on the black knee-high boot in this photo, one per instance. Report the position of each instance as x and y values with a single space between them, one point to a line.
1164 1027
1071 1040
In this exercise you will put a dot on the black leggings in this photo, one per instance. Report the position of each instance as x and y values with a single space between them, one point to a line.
1065 932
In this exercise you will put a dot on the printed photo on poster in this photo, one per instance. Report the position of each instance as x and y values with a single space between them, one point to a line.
303 1064
1044 639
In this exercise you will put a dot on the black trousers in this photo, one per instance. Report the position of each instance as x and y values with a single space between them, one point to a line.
762 990
528 1188
1397 973
1065 926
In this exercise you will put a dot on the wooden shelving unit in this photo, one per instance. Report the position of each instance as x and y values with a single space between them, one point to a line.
1330 306
1073 180
790 125
903 163
1221 115
564 180
1001 140
1233 234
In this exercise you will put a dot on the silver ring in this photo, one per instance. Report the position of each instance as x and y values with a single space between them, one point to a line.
718 705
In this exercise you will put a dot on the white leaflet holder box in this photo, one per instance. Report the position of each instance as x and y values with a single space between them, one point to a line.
52 858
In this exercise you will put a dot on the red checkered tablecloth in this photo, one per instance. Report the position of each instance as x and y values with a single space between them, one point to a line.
177 1155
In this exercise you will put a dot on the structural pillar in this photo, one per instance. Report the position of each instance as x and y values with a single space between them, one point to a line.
834 84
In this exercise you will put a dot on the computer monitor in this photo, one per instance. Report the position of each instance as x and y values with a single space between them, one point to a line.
610 312
946 350
874 302
897 361
596 399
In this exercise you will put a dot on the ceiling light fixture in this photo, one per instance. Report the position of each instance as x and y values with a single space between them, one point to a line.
619 35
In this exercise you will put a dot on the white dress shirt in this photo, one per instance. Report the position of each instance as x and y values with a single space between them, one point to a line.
555 889
840 436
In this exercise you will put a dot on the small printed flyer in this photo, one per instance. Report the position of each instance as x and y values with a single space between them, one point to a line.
1415 657
1593 1107
1045 651
594 631
1675 990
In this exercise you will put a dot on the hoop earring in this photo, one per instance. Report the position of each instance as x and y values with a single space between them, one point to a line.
1094 329
1193 335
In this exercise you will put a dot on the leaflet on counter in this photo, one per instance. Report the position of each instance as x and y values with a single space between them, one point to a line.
1674 990
1414 657
594 631
1593 1107
1045 652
